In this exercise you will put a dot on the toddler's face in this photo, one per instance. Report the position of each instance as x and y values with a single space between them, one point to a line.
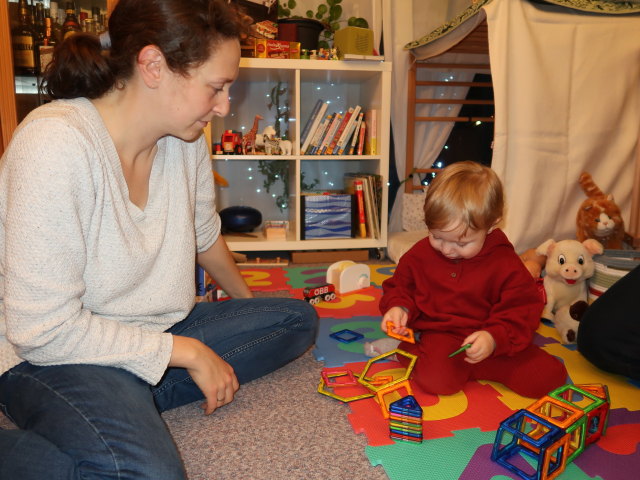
450 242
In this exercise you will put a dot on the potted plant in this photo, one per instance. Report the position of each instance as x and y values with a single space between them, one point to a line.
327 16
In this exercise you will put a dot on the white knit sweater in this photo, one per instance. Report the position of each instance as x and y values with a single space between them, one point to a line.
85 275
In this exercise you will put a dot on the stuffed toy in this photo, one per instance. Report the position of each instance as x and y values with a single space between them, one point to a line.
533 262
599 217
567 319
569 264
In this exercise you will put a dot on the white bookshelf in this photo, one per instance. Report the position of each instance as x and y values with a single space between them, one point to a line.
343 83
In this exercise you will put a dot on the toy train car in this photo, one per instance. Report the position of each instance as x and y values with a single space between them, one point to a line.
314 295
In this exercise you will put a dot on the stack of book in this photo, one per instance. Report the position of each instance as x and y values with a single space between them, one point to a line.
337 133
367 188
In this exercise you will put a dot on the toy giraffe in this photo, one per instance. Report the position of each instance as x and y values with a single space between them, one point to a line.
250 138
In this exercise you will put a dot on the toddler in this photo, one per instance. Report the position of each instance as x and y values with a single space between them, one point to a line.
464 284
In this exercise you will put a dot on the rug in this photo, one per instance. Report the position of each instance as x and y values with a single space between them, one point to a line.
458 430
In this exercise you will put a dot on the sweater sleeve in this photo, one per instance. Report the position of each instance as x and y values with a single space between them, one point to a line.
514 318
396 290
207 220
50 202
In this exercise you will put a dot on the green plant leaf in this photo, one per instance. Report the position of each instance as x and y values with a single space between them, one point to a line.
335 12
322 9
292 4
358 22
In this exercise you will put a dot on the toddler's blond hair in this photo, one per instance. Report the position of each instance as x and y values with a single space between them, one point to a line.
467 193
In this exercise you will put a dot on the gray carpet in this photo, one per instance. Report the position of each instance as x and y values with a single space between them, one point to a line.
277 428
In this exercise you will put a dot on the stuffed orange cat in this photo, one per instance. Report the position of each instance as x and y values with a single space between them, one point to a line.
599 217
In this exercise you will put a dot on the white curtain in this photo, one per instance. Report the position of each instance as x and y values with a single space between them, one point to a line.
426 16
567 98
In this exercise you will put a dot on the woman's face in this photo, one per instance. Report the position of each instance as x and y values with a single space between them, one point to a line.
194 100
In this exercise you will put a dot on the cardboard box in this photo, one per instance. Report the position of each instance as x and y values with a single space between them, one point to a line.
294 49
327 216
271 48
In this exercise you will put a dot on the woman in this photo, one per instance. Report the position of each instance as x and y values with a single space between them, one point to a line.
106 202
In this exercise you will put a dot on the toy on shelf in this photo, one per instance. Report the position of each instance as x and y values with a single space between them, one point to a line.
314 295
348 276
249 139
276 229
409 337
569 264
599 217
231 142
552 431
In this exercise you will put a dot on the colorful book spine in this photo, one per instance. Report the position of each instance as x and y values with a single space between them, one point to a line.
317 137
362 221
331 131
339 131
346 133
314 128
371 142
343 143
312 117
362 134
356 135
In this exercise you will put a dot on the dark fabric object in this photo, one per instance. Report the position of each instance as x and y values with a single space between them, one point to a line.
609 332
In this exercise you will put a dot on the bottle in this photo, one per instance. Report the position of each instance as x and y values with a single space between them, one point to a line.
55 24
23 42
71 24
38 24
95 15
45 49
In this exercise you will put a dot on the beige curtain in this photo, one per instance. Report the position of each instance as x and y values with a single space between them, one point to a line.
567 99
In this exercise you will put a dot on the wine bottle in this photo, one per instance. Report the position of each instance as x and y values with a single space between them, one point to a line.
23 42
71 24
55 24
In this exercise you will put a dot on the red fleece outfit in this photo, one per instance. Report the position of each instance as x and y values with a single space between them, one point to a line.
447 300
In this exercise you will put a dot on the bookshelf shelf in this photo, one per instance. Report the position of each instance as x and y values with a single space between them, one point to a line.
302 83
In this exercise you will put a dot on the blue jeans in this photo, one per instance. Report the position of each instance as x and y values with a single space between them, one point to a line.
92 422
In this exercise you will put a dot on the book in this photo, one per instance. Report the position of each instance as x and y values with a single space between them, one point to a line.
317 136
356 135
362 225
345 143
314 127
371 209
371 140
310 120
331 131
361 134
348 130
339 131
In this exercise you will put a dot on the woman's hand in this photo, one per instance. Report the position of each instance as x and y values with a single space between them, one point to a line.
398 316
215 377
482 346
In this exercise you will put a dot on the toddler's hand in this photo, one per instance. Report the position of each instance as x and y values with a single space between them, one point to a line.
482 345
398 316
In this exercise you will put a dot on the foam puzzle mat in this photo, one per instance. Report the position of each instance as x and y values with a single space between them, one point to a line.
458 430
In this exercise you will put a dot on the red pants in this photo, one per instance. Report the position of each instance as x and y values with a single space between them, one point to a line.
530 373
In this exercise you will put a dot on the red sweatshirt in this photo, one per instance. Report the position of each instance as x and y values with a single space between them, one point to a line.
492 291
